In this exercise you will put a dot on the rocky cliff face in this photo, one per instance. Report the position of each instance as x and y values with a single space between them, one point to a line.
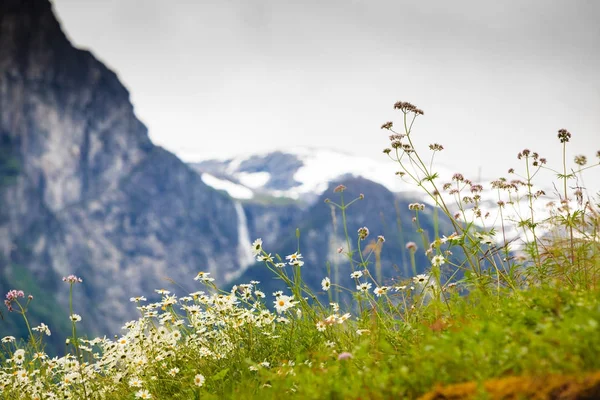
82 188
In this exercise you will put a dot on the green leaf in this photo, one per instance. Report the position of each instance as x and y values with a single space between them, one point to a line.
220 375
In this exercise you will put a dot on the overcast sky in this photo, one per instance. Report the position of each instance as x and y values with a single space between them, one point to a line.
221 78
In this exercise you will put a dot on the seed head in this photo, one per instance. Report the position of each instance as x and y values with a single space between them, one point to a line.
580 160
407 107
387 125
476 188
564 135
72 279
416 206
458 177
412 246
363 233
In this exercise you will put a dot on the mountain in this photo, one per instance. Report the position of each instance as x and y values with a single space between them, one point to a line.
290 186
302 175
83 190
284 190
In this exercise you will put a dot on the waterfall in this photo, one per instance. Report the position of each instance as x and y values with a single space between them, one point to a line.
244 250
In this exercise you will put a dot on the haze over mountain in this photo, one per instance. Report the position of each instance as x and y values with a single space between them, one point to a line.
492 77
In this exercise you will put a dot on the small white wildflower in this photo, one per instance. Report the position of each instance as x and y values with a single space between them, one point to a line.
356 274
265 258
364 287
343 318
321 326
295 259
283 303
380 290
257 246
203 277
438 260
135 382
43 328
19 356
296 263
143 394
326 284
199 378
23 376
421 279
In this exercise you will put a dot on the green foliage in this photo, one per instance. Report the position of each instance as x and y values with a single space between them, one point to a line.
44 308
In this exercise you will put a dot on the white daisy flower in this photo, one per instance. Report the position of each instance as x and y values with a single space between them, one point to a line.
364 287
199 378
438 260
257 246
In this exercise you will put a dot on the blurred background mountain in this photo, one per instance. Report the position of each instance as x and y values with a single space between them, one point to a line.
84 191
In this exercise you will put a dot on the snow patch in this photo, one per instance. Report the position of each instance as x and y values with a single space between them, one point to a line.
233 189
254 180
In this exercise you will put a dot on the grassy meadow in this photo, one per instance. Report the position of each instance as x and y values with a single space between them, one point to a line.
511 319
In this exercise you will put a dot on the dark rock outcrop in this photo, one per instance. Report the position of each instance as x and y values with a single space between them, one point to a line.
82 188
